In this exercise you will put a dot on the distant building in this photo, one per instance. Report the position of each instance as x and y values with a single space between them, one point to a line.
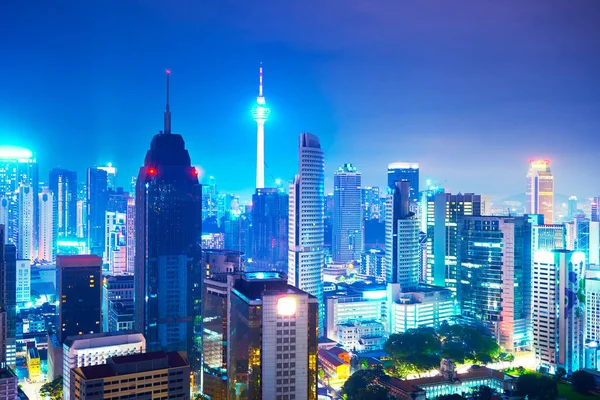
150 375
399 171
347 231
558 318
540 190
63 184
80 291
373 264
26 233
370 202
97 204
115 243
548 237
272 338
23 282
33 364
8 298
361 336
47 227
270 229
9 384
592 304
115 289
213 241
96 349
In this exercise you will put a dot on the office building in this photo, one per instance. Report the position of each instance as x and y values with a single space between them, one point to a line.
9 383
130 227
237 232
373 264
403 171
306 228
594 215
23 282
592 304
558 317
33 364
272 338
157 375
63 184
214 241
26 236
47 228
115 289
440 214
571 207
587 239
260 112
115 242
548 237
95 349
168 278
270 229
402 238
8 303
80 294
370 202
121 316
111 176
361 336
494 288
17 167
97 204
540 190
428 307
347 232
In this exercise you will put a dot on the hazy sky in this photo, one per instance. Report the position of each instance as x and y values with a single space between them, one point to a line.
469 89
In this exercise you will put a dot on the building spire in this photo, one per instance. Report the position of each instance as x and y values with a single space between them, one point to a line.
260 91
167 128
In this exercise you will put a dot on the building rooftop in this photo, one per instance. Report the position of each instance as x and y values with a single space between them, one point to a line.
330 358
79 260
7 373
103 339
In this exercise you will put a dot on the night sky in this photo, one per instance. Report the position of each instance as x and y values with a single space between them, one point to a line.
469 89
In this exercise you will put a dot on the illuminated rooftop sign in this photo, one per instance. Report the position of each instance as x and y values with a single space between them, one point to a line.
286 306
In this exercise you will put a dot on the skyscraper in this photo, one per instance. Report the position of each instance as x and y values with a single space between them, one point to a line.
370 202
270 229
260 112
399 171
130 235
80 290
8 302
572 207
347 232
402 239
540 190
97 202
26 238
111 176
272 339
168 279
494 277
17 167
63 184
306 229
47 232
558 326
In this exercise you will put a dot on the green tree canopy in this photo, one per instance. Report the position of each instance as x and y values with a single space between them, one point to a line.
53 389
362 385
583 382
482 393
537 387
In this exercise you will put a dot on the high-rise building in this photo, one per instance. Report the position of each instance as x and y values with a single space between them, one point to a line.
260 112
370 202
272 338
306 230
373 264
540 190
494 288
572 207
17 167
97 204
168 278
440 214
115 289
95 349
347 232
26 238
80 293
63 184
558 322
111 176
115 252
592 304
82 218
157 375
587 239
402 238
130 228
237 232
594 215
8 303
47 231
399 171
23 282
548 237
270 229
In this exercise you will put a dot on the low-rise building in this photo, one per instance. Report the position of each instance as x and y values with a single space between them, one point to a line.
157 375
33 364
361 336
336 365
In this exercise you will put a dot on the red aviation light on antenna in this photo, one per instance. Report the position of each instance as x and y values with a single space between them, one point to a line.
195 171
151 171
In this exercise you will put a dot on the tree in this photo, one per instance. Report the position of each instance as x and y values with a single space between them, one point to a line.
482 393
364 364
583 382
560 374
362 380
371 392
415 350
53 389
537 387
451 397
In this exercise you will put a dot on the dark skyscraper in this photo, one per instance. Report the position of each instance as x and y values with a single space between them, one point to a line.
8 301
97 202
63 184
270 229
168 279
79 282
399 171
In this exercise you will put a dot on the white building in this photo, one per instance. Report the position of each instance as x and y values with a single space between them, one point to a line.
347 231
81 218
23 282
361 336
558 318
26 239
115 251
94 349
592 304
47 231
423 308
306 226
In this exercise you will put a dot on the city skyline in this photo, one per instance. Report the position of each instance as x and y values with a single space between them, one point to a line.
441 97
